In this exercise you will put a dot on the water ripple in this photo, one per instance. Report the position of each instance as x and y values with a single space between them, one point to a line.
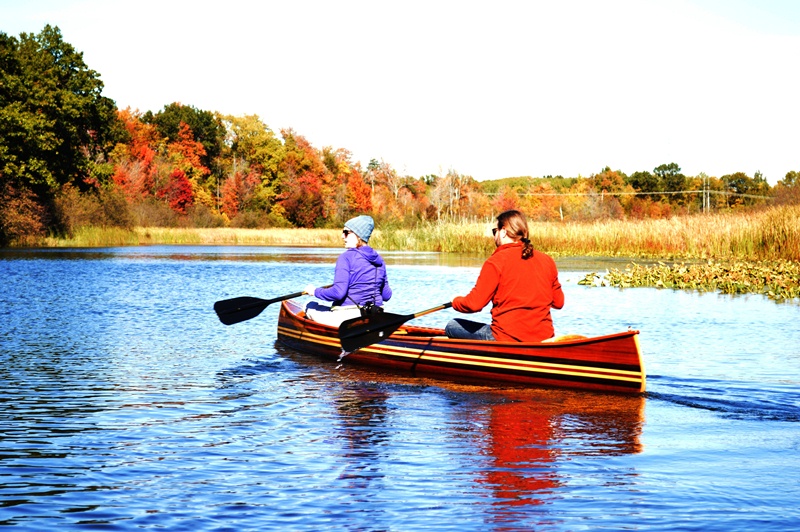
126 405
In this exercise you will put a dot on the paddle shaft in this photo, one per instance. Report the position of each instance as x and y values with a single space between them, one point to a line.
367 330
268 302
434 309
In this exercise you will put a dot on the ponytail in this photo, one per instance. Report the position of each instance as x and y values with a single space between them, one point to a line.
527 248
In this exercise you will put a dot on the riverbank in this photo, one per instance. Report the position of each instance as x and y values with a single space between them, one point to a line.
731 252
768 234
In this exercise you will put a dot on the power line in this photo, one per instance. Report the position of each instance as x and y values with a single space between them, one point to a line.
724 193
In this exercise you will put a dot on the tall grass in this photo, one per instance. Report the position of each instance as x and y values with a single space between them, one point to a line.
772 233
240 236
90 236
112 236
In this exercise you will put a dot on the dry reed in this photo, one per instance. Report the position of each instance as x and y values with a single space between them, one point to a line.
770 234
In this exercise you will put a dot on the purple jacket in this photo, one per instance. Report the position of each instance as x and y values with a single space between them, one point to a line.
359 277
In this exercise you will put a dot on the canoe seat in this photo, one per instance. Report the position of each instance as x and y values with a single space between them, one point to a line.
564 338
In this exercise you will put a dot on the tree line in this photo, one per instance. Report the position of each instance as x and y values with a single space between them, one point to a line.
70 158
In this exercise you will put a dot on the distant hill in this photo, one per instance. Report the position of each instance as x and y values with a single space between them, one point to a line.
524 183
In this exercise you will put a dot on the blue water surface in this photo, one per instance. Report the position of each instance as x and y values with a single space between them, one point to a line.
127 405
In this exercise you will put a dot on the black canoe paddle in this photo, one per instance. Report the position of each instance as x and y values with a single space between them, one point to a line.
367 330
239 309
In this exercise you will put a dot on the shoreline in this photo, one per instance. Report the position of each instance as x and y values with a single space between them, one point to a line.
770 234
694 266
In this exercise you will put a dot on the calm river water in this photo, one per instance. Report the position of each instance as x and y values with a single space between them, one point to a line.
125 405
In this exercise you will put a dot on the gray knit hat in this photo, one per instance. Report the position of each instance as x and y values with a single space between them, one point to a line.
362 226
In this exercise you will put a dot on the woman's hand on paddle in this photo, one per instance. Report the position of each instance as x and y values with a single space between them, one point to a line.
309 290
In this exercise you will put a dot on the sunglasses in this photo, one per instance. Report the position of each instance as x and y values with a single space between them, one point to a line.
346 232
495 230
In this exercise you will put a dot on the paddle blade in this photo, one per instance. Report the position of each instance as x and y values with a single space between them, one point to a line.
238 309
230 311
367 330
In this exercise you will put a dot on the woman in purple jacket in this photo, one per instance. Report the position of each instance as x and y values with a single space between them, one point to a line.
358 280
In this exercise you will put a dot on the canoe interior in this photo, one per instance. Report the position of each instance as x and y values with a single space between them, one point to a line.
611 363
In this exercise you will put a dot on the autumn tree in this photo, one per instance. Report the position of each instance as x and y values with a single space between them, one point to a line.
135 160
21 216
506 199
187 154
608 181
573 203
207 128
359 194
449 192
543 203
238 191
383 174
301 181
177 192
254 151
413 200
791 179
744 190
253 142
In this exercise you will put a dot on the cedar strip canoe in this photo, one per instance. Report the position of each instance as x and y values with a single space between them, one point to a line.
611 363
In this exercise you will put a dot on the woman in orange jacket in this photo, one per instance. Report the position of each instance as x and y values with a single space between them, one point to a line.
522 285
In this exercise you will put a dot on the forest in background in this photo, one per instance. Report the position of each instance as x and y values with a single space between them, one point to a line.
69 158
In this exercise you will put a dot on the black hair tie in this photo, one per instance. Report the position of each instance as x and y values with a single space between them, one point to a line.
525 240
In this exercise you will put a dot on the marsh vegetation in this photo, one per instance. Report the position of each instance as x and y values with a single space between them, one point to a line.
732 252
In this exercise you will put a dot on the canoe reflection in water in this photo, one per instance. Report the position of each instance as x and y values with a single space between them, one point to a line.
517 443
531 436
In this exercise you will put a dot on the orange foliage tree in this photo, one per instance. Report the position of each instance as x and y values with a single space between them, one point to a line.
507 199
134 162
237 191
543 203
359 194
187 154
301 183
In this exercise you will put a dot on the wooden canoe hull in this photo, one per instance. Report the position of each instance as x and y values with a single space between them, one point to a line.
611 363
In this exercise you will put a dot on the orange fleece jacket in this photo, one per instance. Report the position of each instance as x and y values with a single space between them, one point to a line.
521 292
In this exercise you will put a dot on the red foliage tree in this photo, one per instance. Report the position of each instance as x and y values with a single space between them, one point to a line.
237 190
303 201
178 192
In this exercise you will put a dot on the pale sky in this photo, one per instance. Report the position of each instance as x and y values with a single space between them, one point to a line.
489 89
